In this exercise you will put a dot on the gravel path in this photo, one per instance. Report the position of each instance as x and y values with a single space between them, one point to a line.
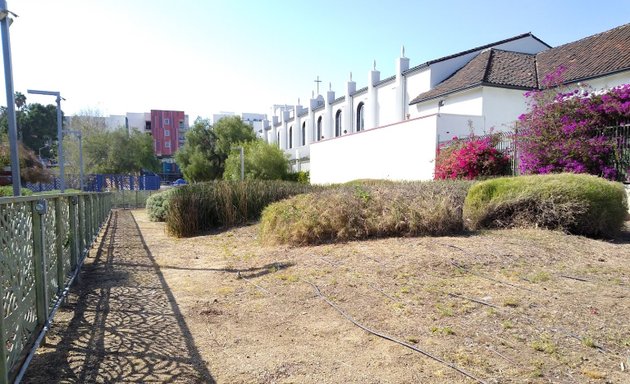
121 322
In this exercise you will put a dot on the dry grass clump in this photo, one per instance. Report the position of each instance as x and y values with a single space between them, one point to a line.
579 204
359 211
203 206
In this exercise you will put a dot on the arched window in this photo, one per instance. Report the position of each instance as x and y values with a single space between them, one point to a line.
278 139
319 128
304 133
338 123
360 117
290 144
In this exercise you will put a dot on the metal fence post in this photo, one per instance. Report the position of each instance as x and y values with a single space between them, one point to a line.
94 213
81 224
39 208
89 220
74 234
59 244
4 369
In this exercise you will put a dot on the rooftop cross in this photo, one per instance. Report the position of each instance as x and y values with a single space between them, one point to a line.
317 81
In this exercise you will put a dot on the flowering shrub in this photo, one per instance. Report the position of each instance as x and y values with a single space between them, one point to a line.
563 131
471 158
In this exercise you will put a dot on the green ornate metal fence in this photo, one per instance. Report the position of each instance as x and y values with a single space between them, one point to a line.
131 199
43 241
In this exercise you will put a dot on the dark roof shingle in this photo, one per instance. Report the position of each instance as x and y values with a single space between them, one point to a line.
601 54
598 55
490 67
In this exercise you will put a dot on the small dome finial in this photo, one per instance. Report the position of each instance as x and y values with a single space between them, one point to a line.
330 86
350 75
402 51
375 64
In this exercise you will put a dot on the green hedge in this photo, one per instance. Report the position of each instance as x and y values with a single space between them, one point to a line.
7 191
203 206
578 204
362 210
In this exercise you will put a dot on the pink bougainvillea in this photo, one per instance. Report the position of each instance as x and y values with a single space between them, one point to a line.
565 131
471 158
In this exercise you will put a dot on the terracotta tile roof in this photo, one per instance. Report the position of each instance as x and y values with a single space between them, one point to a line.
486 46
601 54
511 69
491 67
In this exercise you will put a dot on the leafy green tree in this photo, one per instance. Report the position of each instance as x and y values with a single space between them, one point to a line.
37 124
207 147
104 150
93 129
119 152
229 132
262 161
197 158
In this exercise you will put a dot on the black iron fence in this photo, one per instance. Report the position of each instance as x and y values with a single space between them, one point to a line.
621 160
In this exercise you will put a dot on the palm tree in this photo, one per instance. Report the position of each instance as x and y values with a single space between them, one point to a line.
20 100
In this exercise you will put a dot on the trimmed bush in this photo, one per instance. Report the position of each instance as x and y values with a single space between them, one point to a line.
157 205
579 204
204 206
359 211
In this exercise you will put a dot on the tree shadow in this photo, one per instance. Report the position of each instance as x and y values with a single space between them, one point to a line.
124 323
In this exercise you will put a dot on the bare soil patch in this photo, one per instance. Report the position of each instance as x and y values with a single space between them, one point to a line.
508 306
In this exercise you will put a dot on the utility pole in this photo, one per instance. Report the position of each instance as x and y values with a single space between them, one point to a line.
5 21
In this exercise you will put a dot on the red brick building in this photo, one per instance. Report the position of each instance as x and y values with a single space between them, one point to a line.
166 128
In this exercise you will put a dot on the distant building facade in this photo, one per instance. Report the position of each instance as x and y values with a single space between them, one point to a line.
166 128
390 128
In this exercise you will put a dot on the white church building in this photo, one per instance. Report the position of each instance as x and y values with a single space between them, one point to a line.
390 128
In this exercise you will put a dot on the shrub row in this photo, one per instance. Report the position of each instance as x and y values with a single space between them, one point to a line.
579 204
203 206
373 209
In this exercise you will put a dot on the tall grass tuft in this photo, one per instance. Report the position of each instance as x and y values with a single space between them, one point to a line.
363 210
203 206
579 204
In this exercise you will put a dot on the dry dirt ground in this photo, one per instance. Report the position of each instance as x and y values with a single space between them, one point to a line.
511 306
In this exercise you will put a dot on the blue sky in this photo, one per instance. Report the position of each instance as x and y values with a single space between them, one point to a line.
206 56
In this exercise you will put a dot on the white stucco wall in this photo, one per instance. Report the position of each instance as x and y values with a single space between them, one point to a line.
449 126
417 83
387 104
502 107
468 102
608 82
137 120
402 151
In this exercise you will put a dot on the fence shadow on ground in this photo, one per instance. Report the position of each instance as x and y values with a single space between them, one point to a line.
122 323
